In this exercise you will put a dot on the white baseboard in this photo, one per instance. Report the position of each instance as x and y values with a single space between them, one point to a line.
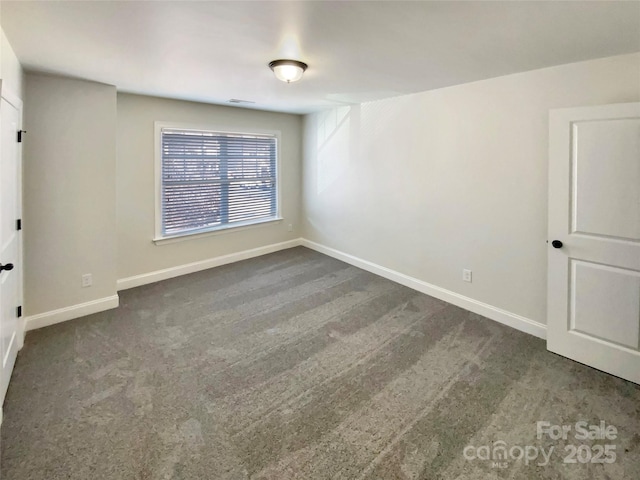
158 275
69 313
494 313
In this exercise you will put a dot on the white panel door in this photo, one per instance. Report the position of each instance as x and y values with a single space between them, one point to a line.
594 237
11 330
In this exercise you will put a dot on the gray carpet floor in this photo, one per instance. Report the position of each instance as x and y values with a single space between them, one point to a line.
297 366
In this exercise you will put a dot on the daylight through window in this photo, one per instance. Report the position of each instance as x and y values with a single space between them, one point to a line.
214 180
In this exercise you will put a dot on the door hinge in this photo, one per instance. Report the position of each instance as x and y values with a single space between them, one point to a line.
20 132
19 224
19 311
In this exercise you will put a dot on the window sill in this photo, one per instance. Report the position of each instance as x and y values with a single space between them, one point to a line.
216 231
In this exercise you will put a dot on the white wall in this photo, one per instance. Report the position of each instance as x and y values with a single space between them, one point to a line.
137 254
10 70
431 183
69 192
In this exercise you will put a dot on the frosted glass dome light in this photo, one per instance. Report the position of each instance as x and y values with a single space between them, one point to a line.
288 70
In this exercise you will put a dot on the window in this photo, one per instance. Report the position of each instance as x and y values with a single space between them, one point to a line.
214 180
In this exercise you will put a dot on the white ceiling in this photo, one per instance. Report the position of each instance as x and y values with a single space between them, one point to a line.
356 51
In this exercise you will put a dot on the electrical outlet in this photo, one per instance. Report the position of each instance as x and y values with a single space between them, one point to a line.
87 280
466 275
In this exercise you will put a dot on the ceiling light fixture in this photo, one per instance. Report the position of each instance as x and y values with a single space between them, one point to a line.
288 70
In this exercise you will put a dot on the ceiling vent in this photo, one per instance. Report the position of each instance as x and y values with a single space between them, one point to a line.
237 100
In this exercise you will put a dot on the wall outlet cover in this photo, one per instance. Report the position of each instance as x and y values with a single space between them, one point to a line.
87 280
466 275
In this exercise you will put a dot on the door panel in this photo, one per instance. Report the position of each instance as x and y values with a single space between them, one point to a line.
594 210
596 292
8 298
606 188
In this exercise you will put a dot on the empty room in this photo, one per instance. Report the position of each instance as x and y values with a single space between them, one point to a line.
350 240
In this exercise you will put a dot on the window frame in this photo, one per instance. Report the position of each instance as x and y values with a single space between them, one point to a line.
161 238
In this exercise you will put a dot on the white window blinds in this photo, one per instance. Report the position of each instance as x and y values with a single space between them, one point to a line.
214 180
